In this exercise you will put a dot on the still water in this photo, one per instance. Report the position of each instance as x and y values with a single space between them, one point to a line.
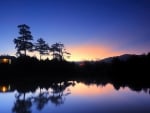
74 97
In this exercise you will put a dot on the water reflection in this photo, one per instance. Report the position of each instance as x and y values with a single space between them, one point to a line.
22 104
81 96
58 95
55 95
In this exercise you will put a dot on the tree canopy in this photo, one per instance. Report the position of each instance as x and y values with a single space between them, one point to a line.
58 51
41 47
23 42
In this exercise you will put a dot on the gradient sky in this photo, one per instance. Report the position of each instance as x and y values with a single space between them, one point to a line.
90 29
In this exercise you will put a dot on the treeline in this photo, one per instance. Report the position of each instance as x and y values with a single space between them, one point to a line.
26 67
26 72
134 69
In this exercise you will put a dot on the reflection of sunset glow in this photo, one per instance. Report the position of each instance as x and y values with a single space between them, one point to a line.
81 89
4 89
90 52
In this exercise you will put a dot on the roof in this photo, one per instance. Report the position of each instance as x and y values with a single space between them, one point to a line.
7 56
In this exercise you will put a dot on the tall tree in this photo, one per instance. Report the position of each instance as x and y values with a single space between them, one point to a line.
42 47
23 42
58 51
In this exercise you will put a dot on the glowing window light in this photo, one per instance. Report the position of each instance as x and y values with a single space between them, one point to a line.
5 60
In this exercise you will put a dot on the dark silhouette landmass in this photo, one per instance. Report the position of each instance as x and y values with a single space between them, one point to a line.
132 71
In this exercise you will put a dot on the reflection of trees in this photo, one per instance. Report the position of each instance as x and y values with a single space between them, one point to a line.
56 92
41 100
57 99
22 105
58 95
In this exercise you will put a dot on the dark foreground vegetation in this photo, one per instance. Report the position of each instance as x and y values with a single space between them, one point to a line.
133 71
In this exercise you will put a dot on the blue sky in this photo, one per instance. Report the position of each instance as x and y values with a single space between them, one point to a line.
90 29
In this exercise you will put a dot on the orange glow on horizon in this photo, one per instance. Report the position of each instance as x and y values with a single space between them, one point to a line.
91 52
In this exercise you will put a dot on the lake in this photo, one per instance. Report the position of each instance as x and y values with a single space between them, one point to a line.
73 97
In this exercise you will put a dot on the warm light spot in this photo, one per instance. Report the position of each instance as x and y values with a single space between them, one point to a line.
5 60
91 52
4 89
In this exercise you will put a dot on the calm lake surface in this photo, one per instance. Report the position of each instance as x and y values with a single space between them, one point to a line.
74 97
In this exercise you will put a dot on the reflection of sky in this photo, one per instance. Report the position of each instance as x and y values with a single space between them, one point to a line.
120 26
90 99
93 99
6 102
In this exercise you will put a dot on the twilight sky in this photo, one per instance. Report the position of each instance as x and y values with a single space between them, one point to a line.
90 29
